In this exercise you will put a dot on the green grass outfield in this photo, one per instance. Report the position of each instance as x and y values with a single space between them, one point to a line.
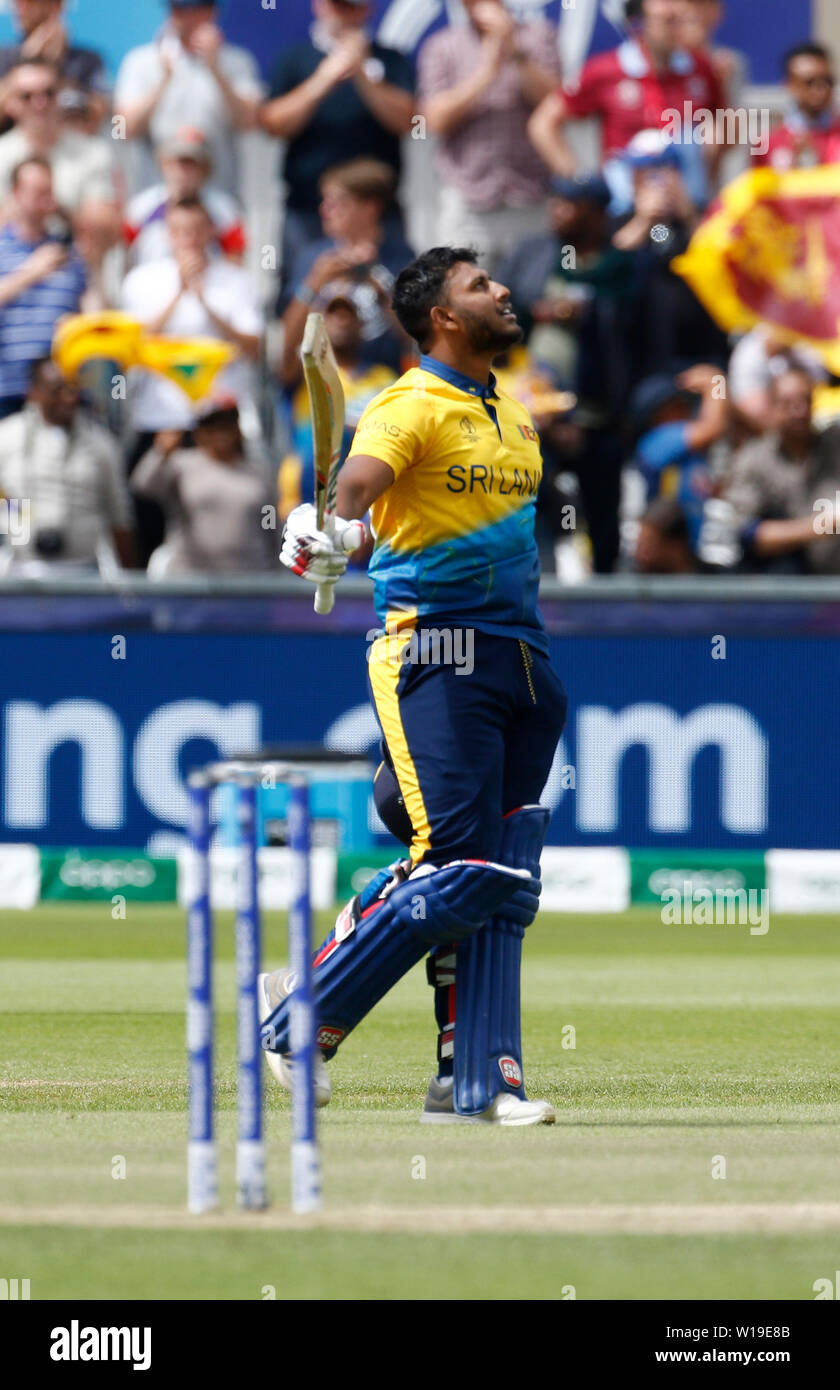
693 1044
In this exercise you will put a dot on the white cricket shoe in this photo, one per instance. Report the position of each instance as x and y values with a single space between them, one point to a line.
506 1109
271 991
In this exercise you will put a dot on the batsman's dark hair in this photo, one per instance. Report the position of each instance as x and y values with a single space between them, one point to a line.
422 285
805 50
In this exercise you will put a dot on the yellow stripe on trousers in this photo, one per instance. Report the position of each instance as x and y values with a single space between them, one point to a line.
386 668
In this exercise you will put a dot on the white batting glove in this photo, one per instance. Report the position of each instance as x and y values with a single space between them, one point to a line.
312 553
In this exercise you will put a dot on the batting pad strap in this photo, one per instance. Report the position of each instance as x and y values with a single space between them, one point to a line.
440 968
448 904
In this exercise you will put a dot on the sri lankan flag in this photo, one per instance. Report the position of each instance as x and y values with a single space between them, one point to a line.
191 363
769 252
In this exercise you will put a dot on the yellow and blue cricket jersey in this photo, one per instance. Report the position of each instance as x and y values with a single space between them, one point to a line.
454 534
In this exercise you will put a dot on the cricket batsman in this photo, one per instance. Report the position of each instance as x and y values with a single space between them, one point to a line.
449 468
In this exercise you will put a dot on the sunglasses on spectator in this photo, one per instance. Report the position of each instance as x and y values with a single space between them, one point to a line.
34 92
816 81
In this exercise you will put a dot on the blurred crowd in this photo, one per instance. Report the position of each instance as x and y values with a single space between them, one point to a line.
669 446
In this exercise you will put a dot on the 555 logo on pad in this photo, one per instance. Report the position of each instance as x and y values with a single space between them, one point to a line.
511 1071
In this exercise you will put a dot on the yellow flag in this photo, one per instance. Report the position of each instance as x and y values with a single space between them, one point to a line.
81 338
769 253
191 363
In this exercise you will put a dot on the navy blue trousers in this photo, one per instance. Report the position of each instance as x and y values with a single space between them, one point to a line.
471 723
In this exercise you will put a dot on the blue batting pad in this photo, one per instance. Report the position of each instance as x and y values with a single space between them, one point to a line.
488 1027
371 948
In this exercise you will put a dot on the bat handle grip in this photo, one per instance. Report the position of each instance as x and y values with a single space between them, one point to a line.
325 598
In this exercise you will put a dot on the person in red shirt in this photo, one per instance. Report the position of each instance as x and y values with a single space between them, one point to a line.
630 88
810 132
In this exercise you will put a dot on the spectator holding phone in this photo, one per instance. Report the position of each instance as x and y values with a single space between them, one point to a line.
675 329
53 454
357 255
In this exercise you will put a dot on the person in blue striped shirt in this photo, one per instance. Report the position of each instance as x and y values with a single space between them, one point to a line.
42 278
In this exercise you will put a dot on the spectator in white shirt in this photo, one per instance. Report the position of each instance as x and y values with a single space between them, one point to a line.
191 294
65 471
82 165
189 75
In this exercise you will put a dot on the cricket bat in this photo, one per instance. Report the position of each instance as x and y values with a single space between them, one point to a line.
326 401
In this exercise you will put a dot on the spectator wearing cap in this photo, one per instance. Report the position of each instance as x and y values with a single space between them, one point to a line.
41 279
68 469
190 294
82 165
675 329
360 378
215 494
186 165
189 75
809 132
675 436
43 31
337 97
478 85
783 487
632 88
358 253
575 296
